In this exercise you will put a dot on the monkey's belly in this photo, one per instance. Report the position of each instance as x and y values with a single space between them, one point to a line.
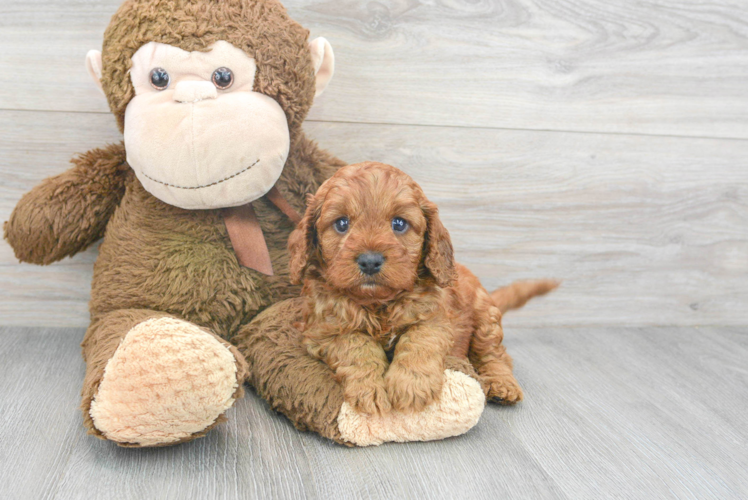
181 262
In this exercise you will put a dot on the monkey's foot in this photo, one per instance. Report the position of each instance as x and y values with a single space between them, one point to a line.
167 382
458 409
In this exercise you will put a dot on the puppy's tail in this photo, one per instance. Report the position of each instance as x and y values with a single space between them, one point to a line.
517 294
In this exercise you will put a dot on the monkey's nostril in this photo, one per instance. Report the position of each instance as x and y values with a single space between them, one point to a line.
370 262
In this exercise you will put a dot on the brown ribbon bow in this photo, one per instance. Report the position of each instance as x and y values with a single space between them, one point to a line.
246 235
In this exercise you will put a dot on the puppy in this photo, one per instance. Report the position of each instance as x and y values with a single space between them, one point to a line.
385 301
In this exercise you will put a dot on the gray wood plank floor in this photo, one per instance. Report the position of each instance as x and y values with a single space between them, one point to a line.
610 413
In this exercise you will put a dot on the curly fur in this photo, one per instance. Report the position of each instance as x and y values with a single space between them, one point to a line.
387 336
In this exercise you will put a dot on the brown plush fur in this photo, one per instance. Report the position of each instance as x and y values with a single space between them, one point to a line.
157 259
420 307
67 213
283 373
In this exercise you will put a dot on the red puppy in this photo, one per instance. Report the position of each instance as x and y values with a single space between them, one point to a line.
386 303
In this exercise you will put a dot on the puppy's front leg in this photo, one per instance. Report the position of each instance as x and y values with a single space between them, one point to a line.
416 374
359 364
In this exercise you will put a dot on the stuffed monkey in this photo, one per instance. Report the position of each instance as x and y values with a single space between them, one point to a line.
195 208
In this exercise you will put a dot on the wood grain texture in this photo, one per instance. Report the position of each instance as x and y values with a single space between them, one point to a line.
632 398
41 372
642 230
610 413
662 67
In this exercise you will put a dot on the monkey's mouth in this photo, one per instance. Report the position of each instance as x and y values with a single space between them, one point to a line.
240 172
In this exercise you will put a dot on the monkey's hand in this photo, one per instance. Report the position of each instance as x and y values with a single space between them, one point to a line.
66 213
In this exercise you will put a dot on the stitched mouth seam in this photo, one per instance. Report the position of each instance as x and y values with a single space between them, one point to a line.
206 185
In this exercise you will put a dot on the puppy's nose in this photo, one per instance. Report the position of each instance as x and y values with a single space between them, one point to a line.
370 262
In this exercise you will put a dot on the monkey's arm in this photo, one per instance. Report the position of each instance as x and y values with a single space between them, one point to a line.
65 214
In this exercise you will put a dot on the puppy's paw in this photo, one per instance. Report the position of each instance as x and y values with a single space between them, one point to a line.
367 397
505 390
411 390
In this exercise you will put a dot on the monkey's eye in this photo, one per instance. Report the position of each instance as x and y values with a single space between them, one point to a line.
341 225
399 225
223 78
159 78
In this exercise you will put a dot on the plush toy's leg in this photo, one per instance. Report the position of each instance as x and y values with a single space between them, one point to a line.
155 380
282 372
305 391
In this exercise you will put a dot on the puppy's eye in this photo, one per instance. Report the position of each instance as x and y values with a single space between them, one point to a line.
399 225
223 78
341 225
159 78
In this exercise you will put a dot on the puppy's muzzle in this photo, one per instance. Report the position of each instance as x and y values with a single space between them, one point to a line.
370 263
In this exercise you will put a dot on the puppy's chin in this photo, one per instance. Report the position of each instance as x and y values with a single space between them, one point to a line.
364 289
372 291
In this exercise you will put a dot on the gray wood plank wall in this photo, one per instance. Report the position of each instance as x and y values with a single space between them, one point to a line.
602 143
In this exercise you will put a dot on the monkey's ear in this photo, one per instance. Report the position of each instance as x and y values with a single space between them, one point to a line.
324 63
303 242
438 255
93 65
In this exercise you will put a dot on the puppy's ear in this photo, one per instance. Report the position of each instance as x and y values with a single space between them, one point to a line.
438 254
303 241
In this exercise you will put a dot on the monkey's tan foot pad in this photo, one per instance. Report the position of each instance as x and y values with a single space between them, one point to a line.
167 380
457 411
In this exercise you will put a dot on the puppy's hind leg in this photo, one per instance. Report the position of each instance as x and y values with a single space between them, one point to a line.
489 356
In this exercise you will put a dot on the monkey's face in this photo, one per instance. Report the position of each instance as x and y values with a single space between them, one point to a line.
209 97
196 133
